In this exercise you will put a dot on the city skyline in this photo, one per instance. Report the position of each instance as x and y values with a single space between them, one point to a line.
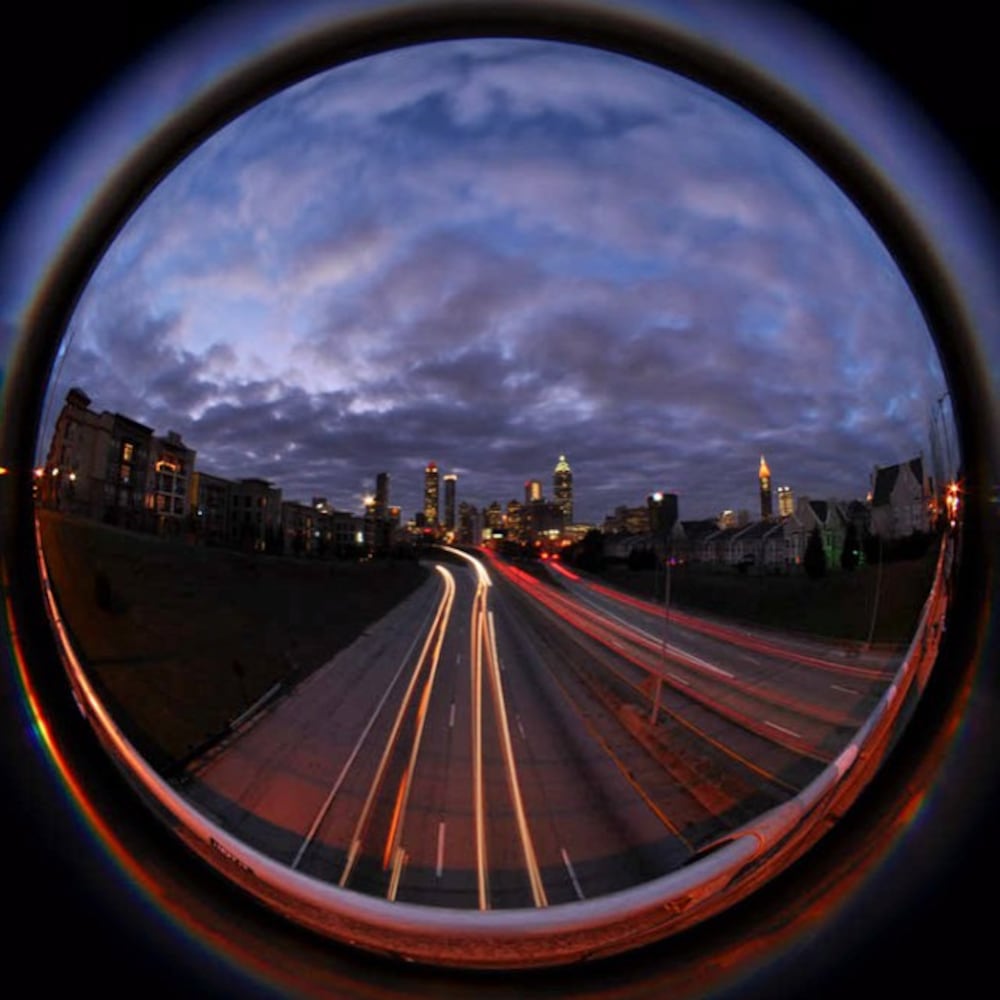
434 510
546 250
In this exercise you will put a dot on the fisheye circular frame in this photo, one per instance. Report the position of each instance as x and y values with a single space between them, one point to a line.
493 939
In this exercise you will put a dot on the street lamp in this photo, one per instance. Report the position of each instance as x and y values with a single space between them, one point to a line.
952 502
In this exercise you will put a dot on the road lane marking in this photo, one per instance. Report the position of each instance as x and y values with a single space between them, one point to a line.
451 716
439 624
520 727
440 851
354 753
572 874
782 729
844 690
704 664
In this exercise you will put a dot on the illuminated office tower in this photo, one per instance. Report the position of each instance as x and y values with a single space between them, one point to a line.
532 492
432 480
450 483
764 475
562 488
786 502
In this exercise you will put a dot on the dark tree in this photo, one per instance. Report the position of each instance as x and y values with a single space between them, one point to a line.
814 561
641 559
591 553
871 545
849 554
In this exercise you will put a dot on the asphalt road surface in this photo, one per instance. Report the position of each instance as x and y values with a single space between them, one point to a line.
508 738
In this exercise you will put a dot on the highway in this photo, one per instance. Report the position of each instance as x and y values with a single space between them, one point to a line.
509 739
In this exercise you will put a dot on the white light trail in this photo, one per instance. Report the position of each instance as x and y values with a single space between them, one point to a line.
503 730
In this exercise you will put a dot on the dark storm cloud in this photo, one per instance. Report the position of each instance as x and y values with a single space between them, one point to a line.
489 254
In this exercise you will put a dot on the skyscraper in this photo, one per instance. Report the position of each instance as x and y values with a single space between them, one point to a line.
432 479
532 491
450 482
764 475
562 488
382 495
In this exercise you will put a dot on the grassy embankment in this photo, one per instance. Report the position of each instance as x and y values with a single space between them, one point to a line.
840 605
181 639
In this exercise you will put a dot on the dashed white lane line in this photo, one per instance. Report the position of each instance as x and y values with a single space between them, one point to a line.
572 874
440 851
782 729
844 690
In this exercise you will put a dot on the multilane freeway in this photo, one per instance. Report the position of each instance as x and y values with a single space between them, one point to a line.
509 739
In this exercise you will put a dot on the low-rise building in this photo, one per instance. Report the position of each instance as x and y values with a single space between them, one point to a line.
901 500
254 520
208 500
168 482
98 464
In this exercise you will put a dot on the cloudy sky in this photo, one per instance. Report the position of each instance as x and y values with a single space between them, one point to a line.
489 253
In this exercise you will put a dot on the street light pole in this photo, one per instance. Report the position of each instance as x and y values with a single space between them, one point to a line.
947 437
664 535
658 687
878 587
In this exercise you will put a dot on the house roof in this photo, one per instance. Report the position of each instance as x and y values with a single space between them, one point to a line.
821 509
885 479
721 534
699 529
758 529
120 420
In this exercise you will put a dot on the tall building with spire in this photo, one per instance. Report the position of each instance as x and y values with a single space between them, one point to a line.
764 475
432 492
562 489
